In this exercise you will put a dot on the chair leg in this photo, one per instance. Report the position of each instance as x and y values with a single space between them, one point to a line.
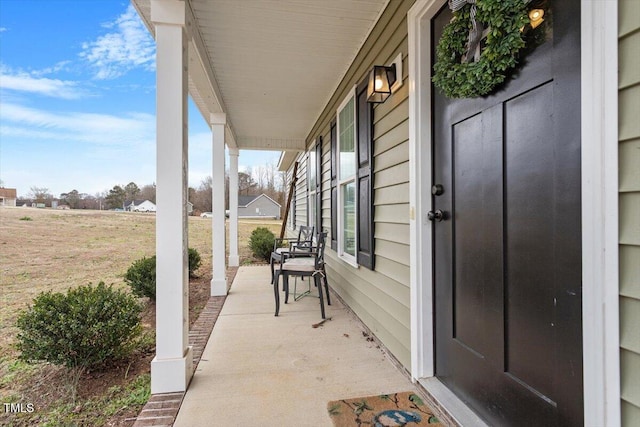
326 288
319 286
272 271
276 293
285 285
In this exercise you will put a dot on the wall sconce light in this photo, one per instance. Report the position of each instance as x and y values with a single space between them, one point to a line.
381 79
536 17
384 80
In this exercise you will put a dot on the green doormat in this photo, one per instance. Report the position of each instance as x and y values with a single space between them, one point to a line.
387 410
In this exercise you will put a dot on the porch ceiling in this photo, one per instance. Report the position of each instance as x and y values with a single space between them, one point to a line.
271 65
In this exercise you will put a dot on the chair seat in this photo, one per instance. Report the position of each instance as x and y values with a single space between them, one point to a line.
280 251
300 264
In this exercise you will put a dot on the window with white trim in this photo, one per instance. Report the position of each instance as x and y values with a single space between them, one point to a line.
347 227
311 187
314 181
352 225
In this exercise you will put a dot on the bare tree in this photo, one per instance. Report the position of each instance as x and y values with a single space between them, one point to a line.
269 181
201 197
271 174
260 176
99 198
246 184
148 192
87 201
40 194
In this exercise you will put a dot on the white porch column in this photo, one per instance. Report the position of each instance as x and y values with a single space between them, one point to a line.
234 258
219 280
172 367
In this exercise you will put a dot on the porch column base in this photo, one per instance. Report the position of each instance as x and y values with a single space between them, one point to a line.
219 287
234 260
171 375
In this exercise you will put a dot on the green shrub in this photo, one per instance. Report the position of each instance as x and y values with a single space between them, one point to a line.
261 242
26 218
141 276
85 328
194 261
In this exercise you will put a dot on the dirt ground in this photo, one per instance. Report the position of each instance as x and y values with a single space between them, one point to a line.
43 249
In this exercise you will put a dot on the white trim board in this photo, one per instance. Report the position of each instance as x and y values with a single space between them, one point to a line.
599 118
600 278
420 257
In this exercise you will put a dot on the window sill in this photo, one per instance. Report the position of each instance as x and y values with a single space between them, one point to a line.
349 260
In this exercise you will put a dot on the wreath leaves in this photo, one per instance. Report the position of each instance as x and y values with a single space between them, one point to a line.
500 54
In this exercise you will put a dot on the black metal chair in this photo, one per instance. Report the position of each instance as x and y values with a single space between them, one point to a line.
304 264
283 246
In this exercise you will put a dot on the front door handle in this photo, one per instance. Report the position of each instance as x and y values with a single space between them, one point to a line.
436 215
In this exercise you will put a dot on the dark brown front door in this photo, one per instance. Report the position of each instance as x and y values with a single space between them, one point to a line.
507 263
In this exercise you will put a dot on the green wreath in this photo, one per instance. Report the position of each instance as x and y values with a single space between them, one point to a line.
504 20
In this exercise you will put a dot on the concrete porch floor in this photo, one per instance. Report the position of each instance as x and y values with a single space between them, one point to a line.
258 369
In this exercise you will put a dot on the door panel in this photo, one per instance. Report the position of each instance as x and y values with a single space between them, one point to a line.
530 225
477 149
507 256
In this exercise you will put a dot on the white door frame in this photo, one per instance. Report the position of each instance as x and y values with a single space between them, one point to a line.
599 117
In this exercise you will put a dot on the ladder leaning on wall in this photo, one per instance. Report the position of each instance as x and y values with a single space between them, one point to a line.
292 186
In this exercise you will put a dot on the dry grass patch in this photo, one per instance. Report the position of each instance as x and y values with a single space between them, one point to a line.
57 250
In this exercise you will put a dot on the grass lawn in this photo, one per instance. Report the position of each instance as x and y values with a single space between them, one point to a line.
42 250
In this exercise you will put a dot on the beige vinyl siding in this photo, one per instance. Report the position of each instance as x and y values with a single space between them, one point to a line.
629 206
326 184
301 187
381 297
301 191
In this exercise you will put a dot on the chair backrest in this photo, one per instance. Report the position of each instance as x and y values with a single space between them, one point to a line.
305 236
320 244
303 241
305 232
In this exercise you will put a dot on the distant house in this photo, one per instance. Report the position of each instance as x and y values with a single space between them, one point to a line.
258 206
8 196
140 206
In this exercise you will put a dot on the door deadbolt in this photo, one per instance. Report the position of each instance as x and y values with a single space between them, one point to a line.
437 189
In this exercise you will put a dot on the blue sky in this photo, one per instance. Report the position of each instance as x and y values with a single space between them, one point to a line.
77 99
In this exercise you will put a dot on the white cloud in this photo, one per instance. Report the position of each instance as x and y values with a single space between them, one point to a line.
130 130
64 150
3 29
24 82
128 46
60 66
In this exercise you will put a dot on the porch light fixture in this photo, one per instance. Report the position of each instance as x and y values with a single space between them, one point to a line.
536 17
384 80
381 79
